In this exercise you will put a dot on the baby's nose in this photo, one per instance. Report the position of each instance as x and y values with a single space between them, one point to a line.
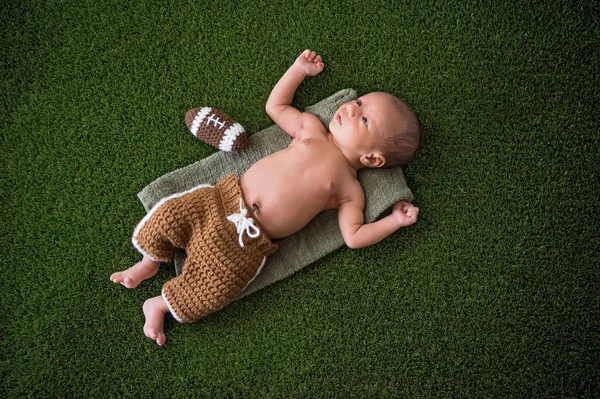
351 110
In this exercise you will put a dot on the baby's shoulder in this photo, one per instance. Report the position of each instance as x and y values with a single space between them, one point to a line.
311 127
350 190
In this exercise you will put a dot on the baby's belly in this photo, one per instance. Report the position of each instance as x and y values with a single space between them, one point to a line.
279 225
283 205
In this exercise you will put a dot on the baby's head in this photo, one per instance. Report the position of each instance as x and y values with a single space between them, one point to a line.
377 129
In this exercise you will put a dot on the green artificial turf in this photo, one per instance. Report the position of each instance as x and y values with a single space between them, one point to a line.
493 293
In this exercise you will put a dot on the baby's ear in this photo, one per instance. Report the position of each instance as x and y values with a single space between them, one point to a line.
373 160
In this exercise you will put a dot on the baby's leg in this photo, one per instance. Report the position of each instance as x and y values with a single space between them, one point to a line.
155 237
137 273
154 310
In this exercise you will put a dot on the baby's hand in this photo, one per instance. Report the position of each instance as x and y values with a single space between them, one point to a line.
309 63
405 213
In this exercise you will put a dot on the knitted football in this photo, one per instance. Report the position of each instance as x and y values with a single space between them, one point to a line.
216 128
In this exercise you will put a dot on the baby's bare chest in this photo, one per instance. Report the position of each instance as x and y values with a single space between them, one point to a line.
307 168
292 186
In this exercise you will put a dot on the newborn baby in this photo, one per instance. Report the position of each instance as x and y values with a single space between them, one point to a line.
227 230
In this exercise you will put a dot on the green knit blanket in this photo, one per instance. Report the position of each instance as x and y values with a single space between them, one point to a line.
383 188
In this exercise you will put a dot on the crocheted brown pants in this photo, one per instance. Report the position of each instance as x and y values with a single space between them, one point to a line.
217 269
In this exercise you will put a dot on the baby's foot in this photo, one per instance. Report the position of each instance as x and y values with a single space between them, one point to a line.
137 273
154 310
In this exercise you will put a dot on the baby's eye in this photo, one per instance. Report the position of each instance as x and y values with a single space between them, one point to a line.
365 120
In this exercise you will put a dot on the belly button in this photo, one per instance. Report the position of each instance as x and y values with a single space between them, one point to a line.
255 209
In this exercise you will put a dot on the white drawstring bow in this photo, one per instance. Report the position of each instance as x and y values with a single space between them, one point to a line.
244 224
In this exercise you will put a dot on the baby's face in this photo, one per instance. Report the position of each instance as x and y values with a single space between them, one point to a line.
359 125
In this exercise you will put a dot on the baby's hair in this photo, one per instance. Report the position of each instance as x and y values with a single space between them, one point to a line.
400 142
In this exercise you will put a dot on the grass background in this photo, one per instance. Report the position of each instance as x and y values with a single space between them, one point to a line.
493 293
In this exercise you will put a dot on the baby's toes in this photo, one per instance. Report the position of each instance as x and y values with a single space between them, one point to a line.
157 336
116 277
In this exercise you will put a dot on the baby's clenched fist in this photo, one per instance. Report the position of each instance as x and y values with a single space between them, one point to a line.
405 213
309 63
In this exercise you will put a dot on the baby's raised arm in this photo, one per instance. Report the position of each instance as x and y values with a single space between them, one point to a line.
357 234
279 103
